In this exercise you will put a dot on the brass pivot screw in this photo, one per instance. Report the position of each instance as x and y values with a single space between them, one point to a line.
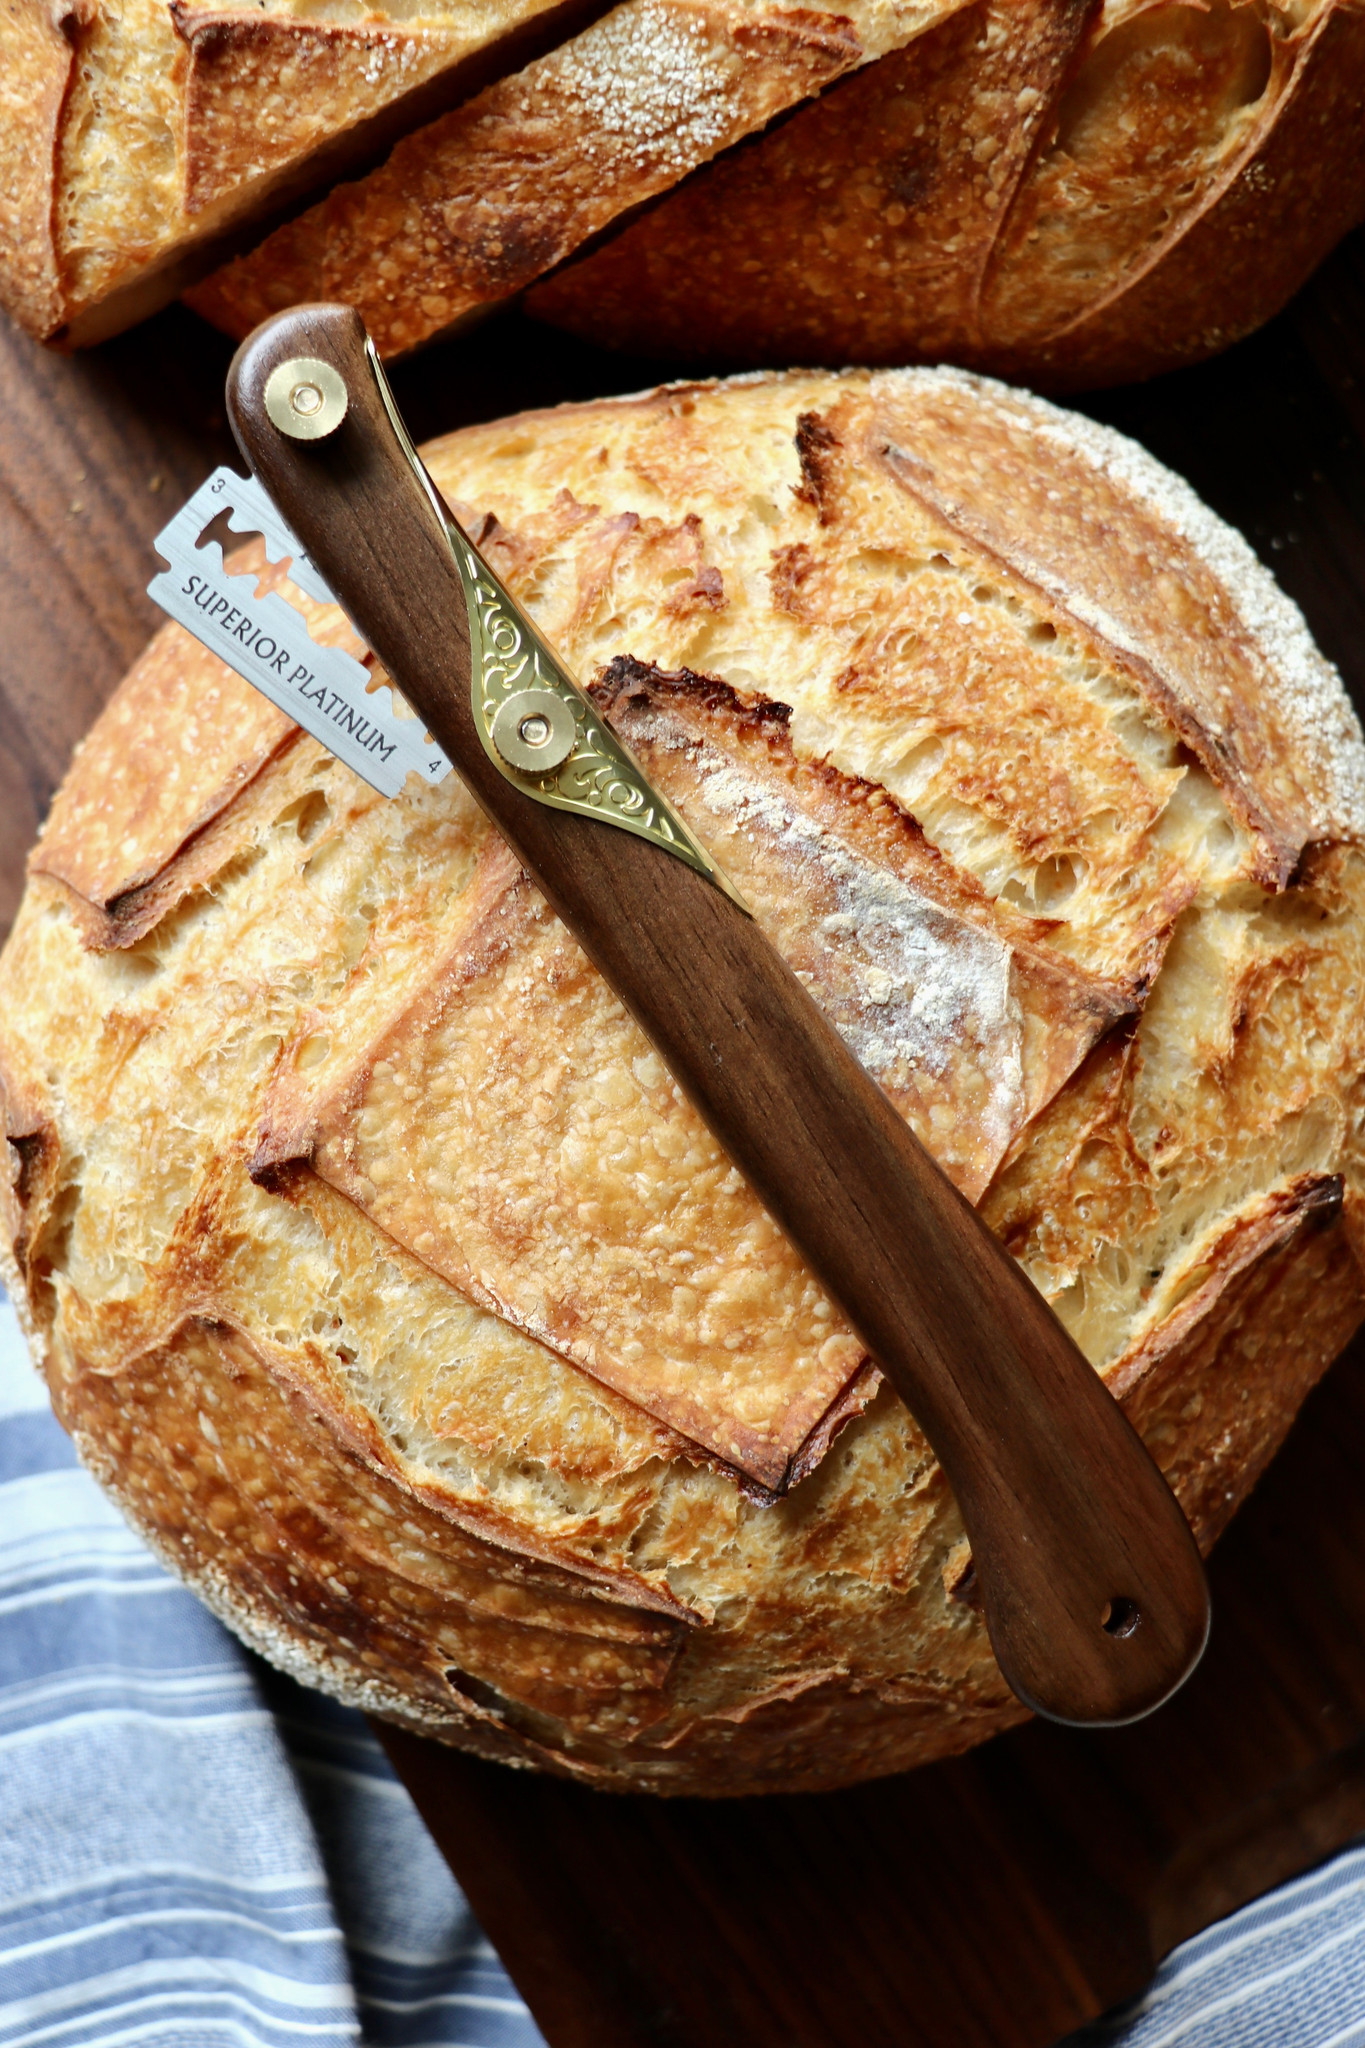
534 729
305 398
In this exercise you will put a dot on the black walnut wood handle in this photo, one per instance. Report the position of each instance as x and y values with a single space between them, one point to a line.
1093 1590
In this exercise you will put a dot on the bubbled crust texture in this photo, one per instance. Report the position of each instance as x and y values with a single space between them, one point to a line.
361 1234
135 135
474 207
1070 192
145 138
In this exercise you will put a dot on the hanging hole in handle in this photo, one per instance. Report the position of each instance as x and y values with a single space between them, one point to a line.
1121 1616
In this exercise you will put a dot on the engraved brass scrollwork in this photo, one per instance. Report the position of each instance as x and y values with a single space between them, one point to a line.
597 778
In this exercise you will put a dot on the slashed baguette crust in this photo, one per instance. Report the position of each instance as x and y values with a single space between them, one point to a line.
380 1271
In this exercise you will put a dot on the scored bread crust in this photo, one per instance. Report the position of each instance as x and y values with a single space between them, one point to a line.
146 140
139 140
35 69
470 210
359 1230
1066 191
1136 211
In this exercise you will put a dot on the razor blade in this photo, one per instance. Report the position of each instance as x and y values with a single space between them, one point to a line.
267 641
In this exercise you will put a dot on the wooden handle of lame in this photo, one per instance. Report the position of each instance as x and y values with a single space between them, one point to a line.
1092 1586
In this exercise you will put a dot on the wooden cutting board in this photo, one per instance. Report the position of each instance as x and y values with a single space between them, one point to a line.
996 1901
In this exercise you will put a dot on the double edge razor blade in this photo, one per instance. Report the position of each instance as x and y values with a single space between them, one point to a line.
267 641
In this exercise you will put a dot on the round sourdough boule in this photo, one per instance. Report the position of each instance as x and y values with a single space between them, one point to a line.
385 1281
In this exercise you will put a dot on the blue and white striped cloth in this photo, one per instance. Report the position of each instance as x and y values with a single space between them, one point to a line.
1287 1972
196 1853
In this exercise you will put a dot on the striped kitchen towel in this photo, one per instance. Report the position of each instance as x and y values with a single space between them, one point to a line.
1286 1972
197 1853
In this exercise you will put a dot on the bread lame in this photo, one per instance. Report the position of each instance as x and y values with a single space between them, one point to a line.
1092 1587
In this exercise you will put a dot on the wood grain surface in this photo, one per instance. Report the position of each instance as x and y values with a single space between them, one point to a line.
999 1900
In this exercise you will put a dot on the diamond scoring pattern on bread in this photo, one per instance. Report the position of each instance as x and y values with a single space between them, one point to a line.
507 1122
408 1496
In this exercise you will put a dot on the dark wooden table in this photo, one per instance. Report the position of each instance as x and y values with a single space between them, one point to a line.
1000 1900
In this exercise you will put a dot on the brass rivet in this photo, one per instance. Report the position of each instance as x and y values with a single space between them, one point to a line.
305 398
534 729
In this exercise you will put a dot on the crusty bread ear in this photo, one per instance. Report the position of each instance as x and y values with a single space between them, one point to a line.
1070 192
136 141
481 203
264 94
1270 204
141 143
990 196
887 195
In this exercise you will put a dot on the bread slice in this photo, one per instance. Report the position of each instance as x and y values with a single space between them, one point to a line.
478 205
136 138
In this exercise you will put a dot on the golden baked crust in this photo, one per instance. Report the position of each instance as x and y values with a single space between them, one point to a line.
117 859
35 68
1071 196
137 137
144 139
1068 191
380 1272
473 208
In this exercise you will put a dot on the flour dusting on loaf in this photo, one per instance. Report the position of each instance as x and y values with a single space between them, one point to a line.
1309 689
384 1277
